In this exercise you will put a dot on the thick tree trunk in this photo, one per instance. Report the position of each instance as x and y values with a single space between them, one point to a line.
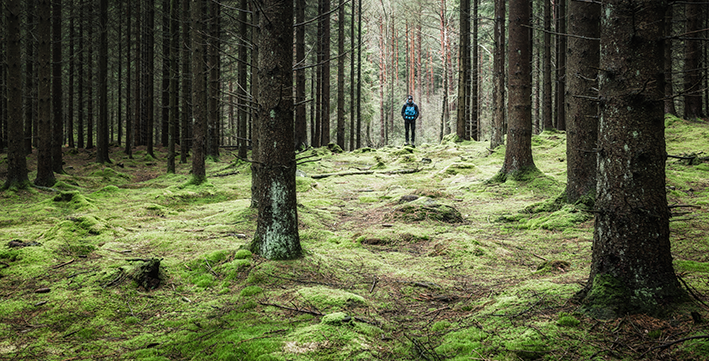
45 174
582 126
474 128
82 73
17 162
199 92
213 46
498 94
30 84
174 76
518 154
631 268
72 69
277 226
325 132
358 142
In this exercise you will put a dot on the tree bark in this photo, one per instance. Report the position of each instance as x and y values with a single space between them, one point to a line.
17 162
30 83
692 73
631 269
301 133
129 83
174 76
243 96
340 133
518 154
213 46
186 82
547 117
669 89
582 127
277 226
561 67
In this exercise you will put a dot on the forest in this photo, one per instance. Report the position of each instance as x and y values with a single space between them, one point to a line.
234 180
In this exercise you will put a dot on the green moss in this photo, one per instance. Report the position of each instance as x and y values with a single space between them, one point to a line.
607 298
242 254
692 266
336 318
325 298
250 291
566 320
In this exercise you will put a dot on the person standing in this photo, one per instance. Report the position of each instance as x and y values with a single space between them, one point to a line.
410 112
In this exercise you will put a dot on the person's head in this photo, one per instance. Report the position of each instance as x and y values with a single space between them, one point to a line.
409 99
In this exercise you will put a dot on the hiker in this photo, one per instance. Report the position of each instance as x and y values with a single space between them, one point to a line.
410 112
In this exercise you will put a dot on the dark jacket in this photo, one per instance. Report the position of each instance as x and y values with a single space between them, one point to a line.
416 107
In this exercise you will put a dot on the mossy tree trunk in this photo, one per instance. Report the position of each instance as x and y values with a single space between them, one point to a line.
582 126
631 267
277 227
17 163
518 155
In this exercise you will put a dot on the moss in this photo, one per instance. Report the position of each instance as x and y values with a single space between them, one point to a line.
553 266
425 209
336 318
250 291
566 320
607 298
242 254
325 298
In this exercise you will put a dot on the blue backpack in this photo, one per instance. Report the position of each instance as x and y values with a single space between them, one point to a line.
410 112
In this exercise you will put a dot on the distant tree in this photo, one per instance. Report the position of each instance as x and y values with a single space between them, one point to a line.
242 87
199 91
669 91
81 113
129 82
518 154
358 142
17 162
498 94
148 93
340 131
90 84
277 226
174 76
582 125
474 118
213 47
45 175
72 72
631 267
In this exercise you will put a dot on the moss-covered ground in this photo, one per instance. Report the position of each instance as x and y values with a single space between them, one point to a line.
410 253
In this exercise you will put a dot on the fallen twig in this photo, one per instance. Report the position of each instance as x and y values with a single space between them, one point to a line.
210 268
314 313
664 346
374 284
63 264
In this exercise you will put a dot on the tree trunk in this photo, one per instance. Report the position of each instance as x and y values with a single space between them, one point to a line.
72 69
165 99
149 94
340 133
669 89
129 83
45 174
102 135
199 92
582 127
518 154
90 80
631 268
255 35
474 127
82 79
325 132
358 143
17 162
561 67
213 46
174 76
277 226
186 82
30 84
547 117
301 132
464 72
242 94
498 94
352 77
57 105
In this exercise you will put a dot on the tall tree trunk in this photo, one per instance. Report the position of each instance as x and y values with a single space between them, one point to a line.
16 160
631 269
462 129
149 94
474 128
301 133
340 132
669 89
561 68
30 84
518 154
90 80
102 135
57 104
255 88
277 226
81 82
199 91
213 45
358 142
45 174
547 116
129 82
174 76
165 99
692 73
186 81
498 94
325 133
582 127
72 69
119 83
242 86
352 77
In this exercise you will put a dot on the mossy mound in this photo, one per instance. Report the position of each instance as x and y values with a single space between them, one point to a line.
109 174
325 298
425 209
74 200
554 266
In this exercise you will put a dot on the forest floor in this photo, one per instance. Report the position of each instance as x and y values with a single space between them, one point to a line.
410 253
